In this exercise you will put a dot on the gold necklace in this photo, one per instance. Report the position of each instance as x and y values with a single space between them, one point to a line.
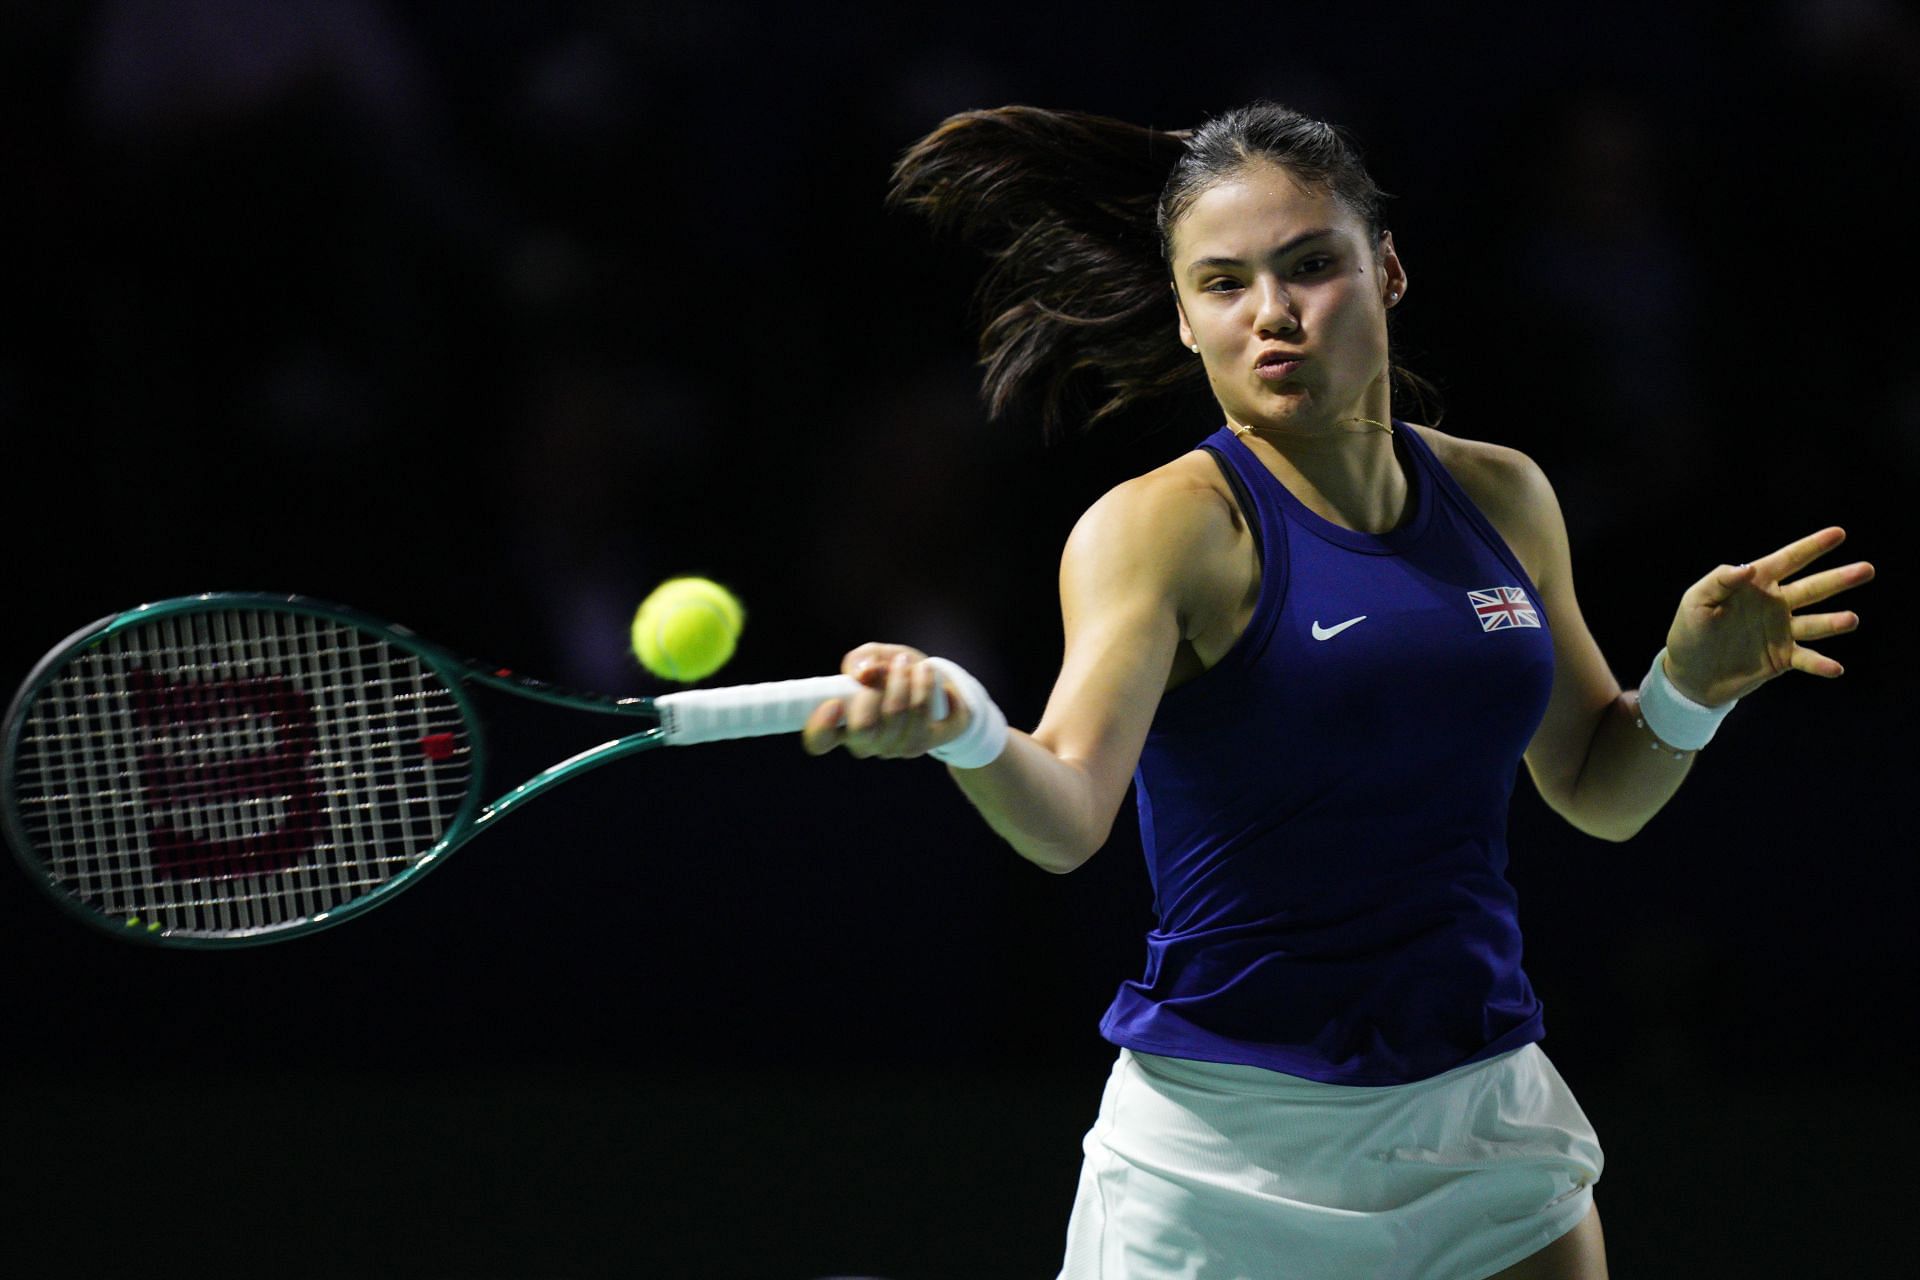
1243 432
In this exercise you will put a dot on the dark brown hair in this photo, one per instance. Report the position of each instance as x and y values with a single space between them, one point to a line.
1076 213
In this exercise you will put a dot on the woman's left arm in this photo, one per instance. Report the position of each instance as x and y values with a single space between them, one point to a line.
1593 759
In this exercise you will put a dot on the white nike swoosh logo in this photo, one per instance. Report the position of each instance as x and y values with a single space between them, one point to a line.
1328 633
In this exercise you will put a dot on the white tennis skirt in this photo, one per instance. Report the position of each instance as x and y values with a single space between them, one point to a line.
1209 1171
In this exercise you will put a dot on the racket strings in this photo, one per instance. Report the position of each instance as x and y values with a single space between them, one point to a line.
232 772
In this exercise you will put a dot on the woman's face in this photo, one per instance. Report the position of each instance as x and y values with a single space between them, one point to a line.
1263 266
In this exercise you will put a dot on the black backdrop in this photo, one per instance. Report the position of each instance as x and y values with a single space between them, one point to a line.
488 319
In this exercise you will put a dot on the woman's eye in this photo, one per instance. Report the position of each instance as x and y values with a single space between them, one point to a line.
1212 285
1313 264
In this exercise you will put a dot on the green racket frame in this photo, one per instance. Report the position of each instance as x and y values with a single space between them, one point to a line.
472 817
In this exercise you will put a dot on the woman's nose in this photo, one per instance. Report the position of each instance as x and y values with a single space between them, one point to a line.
1275 314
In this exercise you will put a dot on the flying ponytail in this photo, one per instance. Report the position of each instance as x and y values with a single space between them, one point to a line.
1075 213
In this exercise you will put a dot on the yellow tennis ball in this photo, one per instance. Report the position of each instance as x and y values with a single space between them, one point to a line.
686 630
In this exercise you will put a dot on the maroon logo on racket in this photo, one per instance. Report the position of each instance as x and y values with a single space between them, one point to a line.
226 767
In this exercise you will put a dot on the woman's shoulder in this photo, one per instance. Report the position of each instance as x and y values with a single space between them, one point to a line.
1488 461
1189 492
1178 514
1494 475
1171 538
1508 486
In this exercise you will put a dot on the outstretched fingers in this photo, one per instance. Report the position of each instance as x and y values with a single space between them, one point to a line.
1798 554
1819 626
1816 664
1738 628
1816 587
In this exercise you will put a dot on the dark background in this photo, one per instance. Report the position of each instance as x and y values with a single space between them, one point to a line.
487 318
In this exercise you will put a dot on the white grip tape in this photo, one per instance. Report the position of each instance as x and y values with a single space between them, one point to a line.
747 710
986 735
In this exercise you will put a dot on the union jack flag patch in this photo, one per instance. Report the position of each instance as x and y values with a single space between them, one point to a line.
1503 607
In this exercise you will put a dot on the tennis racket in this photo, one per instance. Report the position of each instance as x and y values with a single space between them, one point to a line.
231 769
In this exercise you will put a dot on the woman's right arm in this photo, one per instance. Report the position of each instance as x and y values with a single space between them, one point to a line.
1139 567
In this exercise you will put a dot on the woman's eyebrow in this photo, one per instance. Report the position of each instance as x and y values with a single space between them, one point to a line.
1281 252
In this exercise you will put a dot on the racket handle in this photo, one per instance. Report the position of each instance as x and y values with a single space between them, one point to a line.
747 710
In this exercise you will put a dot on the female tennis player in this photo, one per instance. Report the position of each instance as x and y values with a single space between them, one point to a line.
1320 644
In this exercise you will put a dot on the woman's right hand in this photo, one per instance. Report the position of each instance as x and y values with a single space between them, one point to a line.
892 715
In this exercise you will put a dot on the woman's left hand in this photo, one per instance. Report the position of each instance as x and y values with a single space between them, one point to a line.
1738 628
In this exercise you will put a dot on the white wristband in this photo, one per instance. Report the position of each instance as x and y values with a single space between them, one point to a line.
986 734
1676 719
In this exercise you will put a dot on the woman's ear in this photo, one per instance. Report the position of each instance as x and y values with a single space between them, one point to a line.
1393 275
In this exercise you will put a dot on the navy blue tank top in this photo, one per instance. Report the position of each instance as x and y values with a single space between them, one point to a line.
1324 810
